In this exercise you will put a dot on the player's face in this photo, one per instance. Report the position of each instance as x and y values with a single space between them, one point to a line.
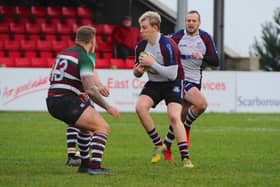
192 23
93 44
147 30
127 23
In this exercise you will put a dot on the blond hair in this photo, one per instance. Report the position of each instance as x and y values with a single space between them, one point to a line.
153 17
85 34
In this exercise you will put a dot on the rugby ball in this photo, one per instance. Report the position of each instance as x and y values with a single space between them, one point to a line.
148 68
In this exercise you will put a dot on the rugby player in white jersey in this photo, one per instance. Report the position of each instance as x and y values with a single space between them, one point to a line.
197 50
159 56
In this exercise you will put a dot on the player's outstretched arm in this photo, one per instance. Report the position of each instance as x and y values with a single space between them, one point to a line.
102 89
138 70
93 92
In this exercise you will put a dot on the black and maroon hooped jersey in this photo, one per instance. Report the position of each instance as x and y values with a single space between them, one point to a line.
70 66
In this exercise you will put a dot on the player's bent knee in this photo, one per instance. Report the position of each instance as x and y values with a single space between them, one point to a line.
85 132
140 108
174 120
200 107
107 128
203 106
104 128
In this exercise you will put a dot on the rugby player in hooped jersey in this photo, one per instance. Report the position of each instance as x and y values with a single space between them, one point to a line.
71 75
166 83
197 49
73 137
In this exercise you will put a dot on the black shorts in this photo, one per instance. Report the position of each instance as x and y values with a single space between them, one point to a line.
169 91
66 108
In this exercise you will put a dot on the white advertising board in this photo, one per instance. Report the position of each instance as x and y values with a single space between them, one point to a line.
124 88
258 92
23 89
26 89
219 90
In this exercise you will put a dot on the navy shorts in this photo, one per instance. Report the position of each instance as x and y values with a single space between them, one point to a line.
67 108
189 85
167 91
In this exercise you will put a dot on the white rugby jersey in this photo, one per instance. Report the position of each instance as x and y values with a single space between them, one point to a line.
202 43
166 52
192 67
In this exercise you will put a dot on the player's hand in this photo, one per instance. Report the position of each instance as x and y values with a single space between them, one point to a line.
104 91
113 112
84 97
139 68
197 55
146 60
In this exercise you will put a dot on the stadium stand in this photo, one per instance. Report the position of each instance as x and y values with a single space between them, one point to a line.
32 28
27 45
117 63
17 28
129 63
39 62
53 11
22 11
22 62
103 63
69 12
84 12
38 11
30 36
6 11
11 45
50 62
31 54
7 61
14 54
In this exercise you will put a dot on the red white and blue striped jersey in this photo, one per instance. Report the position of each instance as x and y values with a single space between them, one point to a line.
166 53
71 64
202 43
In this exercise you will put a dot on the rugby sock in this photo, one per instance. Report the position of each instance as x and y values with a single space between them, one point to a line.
155 137
183 148
71 140
190 118
169 138
83 143
98 144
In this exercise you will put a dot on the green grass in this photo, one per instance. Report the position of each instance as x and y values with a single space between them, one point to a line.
227 150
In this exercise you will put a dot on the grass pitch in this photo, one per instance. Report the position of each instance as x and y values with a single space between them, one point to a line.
227 150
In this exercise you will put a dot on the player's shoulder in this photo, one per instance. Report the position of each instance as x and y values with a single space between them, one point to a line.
203 33
141 44
176 36
81 54
168 44
69 53
178 33
165 40
74 50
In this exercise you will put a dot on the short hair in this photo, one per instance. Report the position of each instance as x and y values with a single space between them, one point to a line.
194 12
153 17
85 34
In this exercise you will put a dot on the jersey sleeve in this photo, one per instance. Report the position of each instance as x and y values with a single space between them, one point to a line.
170 51
211 57
86 65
